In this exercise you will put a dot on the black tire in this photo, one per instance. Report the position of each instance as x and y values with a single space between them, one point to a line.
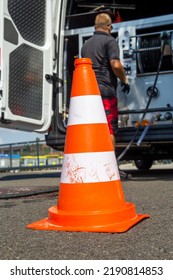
142 164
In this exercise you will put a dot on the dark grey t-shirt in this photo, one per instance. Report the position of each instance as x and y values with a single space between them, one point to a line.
101 48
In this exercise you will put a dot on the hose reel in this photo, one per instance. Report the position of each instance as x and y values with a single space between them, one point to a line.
149 48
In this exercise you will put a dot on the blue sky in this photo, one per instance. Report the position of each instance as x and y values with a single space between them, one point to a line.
8 136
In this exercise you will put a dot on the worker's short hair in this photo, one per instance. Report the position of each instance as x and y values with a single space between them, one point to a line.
102 20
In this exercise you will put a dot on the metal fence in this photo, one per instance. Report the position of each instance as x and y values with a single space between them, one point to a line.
29 156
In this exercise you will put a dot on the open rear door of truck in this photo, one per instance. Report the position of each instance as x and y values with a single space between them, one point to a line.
26 42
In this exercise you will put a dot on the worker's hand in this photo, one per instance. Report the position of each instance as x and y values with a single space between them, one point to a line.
125 87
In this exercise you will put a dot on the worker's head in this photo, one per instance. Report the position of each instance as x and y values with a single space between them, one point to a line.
103 22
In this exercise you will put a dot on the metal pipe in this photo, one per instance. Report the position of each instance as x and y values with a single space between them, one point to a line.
154 116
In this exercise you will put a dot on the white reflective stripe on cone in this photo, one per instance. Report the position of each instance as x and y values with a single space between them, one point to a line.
89 168
86 109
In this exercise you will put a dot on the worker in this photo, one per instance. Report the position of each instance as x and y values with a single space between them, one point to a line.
103 50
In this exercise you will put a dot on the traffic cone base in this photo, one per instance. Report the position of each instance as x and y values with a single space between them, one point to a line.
115 221
90 192
102 209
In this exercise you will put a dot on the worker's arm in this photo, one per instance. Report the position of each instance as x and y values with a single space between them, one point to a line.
119 72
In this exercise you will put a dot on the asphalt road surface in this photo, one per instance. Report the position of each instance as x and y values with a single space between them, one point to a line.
26 198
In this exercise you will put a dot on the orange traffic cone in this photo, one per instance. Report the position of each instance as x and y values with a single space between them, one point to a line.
90 191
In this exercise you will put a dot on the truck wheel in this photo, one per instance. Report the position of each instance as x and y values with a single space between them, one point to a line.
142 164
